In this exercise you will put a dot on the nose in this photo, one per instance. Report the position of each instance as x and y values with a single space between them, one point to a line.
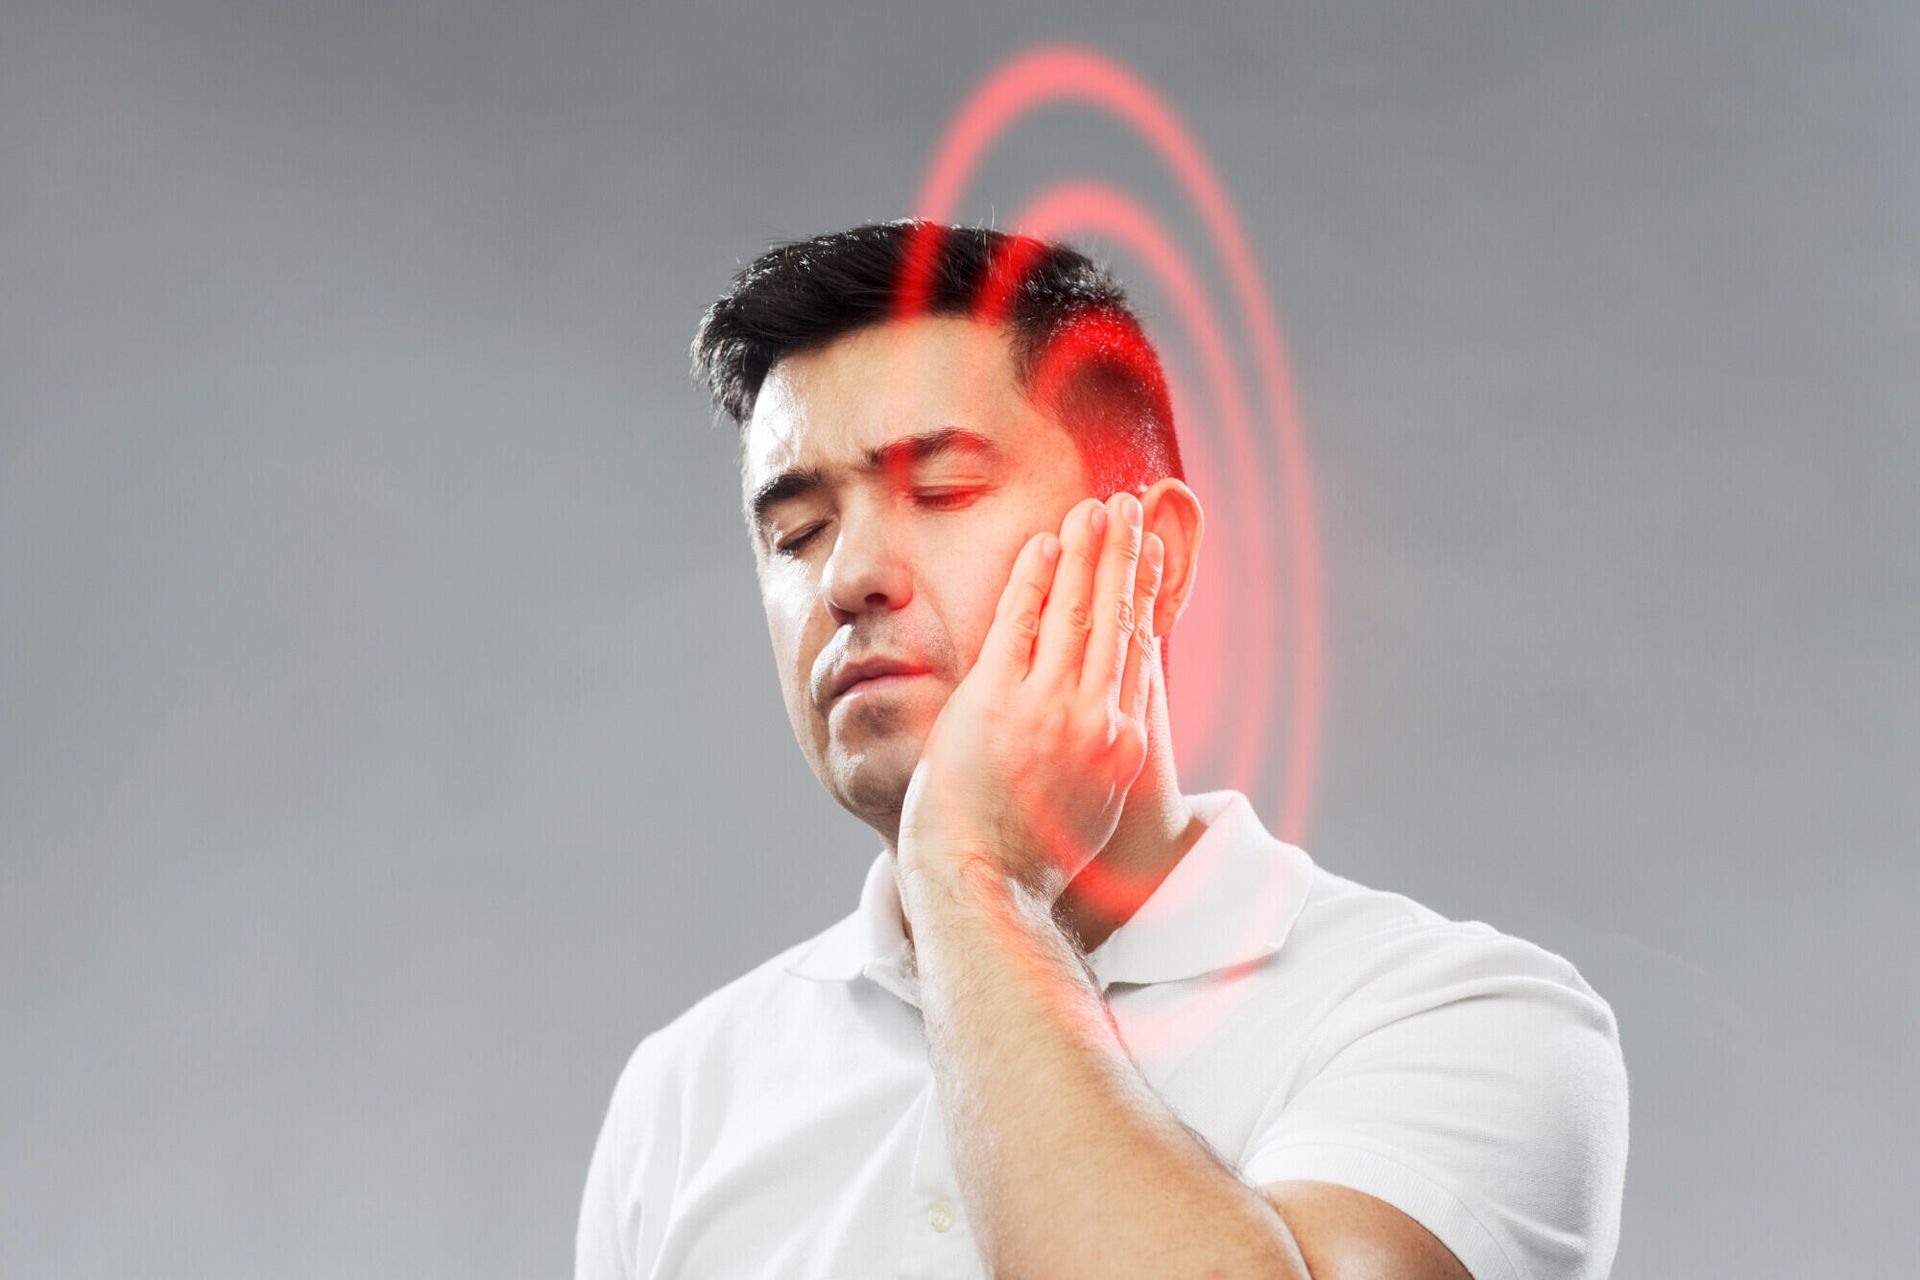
867 570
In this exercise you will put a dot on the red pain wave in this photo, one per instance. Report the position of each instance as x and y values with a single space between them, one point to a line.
1049 74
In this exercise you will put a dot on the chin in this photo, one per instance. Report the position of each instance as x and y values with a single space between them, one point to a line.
873 784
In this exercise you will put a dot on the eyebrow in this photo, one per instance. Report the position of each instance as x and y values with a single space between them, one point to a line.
893 457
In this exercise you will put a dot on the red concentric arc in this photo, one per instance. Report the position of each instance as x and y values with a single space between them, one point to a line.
1081 207
1050 74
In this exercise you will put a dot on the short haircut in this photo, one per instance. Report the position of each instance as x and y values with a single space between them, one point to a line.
1080 352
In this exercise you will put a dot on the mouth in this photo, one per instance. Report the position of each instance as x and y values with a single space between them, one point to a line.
878 685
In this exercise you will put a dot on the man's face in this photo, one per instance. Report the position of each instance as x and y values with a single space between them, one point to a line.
881 544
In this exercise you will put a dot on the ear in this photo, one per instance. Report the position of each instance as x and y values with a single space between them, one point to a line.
1171 510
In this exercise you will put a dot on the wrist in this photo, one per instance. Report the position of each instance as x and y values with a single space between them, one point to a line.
943 883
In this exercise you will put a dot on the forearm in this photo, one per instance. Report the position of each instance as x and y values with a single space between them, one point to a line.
1068 1162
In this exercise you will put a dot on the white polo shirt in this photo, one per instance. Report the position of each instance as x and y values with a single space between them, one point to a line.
1305 1026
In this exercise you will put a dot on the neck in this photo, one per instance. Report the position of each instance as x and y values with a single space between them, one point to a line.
1157 827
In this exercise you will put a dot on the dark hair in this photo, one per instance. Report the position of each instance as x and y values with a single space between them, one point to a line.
1079 350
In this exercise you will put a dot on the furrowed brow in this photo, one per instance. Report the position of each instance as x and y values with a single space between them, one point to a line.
930 446
894 458
795 483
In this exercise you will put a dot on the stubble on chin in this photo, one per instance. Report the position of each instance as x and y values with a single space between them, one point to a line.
873 771
875 798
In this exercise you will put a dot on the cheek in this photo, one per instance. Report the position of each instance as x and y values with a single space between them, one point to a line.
970 596
787 631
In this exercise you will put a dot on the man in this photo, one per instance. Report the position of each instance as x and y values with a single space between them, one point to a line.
1080 1024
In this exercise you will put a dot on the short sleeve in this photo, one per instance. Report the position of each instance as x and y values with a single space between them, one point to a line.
608 1233
597 1253
1475 1083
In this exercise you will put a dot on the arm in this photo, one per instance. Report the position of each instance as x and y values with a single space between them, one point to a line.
1069 1164
1068 1161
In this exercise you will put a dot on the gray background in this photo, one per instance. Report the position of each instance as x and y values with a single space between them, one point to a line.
389 733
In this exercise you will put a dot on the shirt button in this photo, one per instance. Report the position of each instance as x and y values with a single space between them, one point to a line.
940 1216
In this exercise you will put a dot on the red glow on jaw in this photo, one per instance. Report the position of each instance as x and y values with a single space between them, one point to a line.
1048 74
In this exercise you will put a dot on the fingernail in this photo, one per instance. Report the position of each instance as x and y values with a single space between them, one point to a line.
1130 509
1099 521
1156 550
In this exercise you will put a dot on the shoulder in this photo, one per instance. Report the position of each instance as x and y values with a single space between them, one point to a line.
714 1028
1375 947
1457 1018
1470 1078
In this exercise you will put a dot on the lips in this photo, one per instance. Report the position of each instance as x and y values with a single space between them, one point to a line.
867 669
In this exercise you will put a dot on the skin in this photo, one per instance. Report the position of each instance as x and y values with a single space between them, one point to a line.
912 565
1025 787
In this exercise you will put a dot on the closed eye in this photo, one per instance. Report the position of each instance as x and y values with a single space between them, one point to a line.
799 540
952 500
941 501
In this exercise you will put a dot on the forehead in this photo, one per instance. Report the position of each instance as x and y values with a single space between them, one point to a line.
826 409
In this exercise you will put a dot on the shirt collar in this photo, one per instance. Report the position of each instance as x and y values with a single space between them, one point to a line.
1230 901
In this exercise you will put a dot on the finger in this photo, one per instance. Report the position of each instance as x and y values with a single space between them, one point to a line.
1112 603
1136 685
1068 617
1008 648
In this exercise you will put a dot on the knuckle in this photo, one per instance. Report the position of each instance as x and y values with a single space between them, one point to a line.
1080 617
1123 614
1093 735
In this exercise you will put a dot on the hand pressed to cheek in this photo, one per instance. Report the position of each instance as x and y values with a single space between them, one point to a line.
1061 650
1029 763
1143 654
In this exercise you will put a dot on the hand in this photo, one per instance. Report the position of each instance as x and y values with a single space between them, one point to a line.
1026 768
